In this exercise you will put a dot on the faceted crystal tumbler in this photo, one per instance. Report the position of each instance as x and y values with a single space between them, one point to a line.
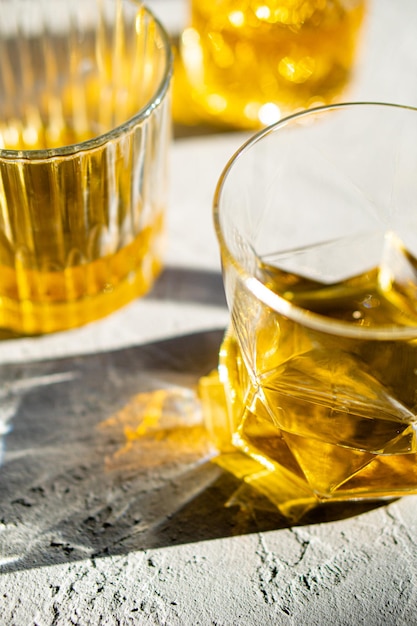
317 225
84 137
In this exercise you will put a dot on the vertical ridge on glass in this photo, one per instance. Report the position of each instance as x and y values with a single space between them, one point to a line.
87 238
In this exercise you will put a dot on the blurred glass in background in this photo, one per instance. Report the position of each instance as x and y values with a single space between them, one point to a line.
246 63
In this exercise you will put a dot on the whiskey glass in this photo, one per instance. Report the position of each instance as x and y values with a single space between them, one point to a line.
246 64
315 397
84 139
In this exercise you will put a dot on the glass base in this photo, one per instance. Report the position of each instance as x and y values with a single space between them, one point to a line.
293 497
34 302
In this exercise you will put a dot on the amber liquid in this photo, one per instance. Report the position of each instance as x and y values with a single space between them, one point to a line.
65 260
239 58
334 414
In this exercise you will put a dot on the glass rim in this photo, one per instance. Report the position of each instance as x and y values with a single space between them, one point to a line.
144 112
256 287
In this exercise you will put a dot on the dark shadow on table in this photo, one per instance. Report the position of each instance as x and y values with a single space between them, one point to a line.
107 453
90 468
182 284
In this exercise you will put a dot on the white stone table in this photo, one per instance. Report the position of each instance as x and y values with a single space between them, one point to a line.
101 526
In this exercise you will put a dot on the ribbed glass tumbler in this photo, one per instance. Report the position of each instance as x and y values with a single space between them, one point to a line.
84 137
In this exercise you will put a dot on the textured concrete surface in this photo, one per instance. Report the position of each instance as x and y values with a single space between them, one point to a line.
351 573
104 520
103 524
